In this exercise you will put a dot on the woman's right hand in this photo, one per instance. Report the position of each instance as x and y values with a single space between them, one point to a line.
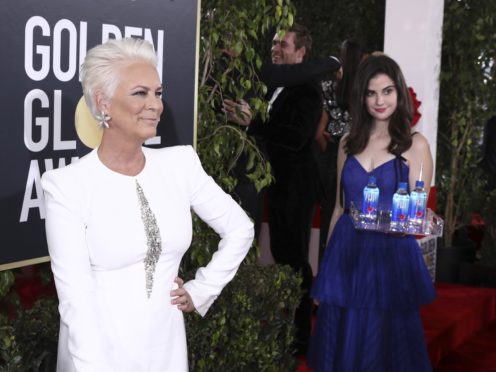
181 297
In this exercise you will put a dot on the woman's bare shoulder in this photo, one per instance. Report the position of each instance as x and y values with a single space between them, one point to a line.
419 140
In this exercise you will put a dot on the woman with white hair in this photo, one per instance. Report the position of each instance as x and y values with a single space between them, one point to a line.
119 221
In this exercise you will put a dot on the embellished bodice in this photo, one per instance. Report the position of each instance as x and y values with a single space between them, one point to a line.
153 239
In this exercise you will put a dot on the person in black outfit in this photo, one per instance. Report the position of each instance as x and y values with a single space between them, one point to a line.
334 123
273 76
288 135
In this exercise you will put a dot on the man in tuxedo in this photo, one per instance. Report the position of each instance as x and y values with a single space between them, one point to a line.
239 112
288 136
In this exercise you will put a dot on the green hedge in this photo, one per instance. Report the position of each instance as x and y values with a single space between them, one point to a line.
36 335
250 326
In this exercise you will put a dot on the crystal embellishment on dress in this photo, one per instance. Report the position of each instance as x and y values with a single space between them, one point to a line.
153 239
339 118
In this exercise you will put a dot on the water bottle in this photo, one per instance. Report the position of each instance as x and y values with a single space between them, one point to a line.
370 200
401 201
416 211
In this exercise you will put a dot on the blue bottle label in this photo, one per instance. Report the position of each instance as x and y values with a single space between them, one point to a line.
370 200
418 202
400 208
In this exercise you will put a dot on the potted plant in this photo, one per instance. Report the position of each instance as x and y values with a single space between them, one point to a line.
467 100
251 323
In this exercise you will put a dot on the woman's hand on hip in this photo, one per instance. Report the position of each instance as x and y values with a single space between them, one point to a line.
181 297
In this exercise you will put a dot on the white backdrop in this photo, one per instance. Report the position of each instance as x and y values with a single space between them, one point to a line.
412 37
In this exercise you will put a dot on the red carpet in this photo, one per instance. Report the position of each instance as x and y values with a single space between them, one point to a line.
477 354
460 325
460 329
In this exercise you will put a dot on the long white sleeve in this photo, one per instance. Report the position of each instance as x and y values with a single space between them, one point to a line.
228 219
65 230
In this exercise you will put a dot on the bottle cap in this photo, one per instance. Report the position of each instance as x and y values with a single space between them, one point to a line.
372 179
403 185
419 183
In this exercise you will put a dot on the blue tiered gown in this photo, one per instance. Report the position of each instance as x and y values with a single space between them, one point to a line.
370 286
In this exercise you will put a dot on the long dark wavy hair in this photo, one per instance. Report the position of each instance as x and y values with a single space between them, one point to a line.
399 124
351 55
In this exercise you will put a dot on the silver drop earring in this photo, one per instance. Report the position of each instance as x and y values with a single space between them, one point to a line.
103 120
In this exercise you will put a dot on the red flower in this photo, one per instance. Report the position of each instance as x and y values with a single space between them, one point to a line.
416 105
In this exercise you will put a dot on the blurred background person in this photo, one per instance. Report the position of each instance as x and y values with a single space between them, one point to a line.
238 111
334 123
287 134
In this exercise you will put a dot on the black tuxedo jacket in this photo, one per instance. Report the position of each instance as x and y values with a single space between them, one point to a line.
288 136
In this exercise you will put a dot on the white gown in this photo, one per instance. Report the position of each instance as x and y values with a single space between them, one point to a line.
97 244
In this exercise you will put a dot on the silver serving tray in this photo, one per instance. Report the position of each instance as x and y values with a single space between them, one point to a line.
432 226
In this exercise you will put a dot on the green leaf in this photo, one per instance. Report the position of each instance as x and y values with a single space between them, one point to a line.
238 47
290 20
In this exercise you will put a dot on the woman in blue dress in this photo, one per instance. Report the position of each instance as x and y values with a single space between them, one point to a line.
370 285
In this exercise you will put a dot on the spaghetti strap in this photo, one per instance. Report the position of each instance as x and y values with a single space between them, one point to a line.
398 160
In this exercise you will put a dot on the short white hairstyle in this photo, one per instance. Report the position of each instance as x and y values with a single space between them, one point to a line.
100 69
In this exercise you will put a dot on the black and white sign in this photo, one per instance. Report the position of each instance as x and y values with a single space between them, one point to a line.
43 45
